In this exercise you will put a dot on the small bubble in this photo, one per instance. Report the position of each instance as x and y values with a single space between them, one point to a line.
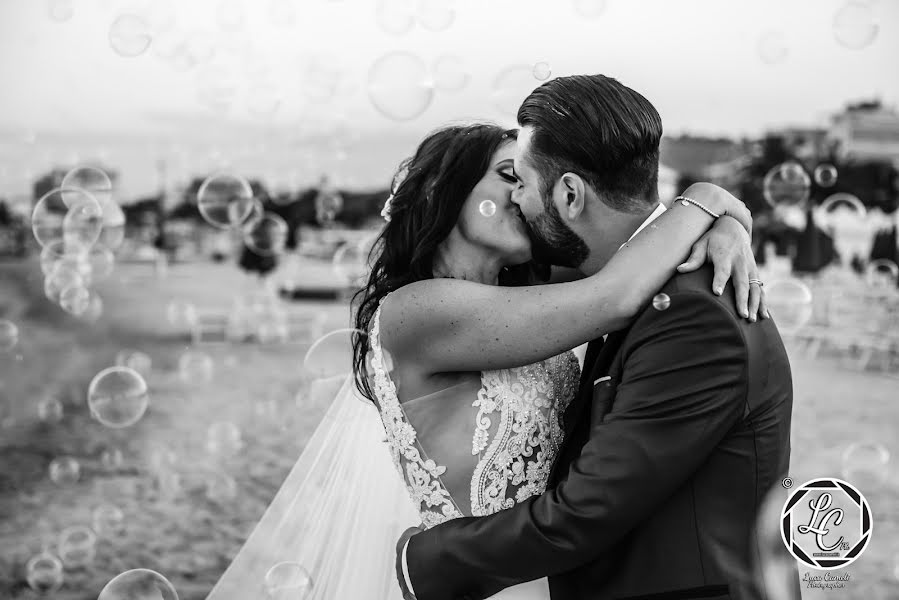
487 208
661 302
542 71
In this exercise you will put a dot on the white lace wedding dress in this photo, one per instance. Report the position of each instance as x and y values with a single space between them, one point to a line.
480 446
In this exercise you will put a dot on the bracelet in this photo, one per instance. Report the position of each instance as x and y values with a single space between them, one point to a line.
687 201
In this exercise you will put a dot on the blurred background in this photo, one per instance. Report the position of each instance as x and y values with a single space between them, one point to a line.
189 190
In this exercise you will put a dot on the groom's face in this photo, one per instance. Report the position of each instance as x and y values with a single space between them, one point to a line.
552 239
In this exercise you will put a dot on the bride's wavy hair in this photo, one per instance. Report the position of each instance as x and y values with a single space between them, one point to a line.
429 191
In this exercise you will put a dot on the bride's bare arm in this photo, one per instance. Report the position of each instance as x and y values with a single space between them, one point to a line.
447 325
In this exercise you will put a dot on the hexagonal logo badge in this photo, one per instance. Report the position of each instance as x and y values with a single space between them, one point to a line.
826 523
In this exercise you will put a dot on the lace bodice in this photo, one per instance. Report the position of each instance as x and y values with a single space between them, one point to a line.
510 430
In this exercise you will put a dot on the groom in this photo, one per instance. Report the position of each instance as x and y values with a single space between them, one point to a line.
682 421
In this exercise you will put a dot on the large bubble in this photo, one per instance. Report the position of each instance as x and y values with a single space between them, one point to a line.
882 273
93 180
854 25
266 235
44 573
75 300
118 397
225 200
287 580
511 86
69 214
790 304
787 184
139 584
436 15
395 16
331 355
866 465
399 86
130 35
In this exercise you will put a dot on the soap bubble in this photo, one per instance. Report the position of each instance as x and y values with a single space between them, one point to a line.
399 86
328 203
287 580
101 261
883 273
85 179
65 470
866 465
63 277
772 48
590 9
267 235
511 86
224 439
134 359
74 299
450 73
94 309
790 304
225 200
108 520
395 16
331 354
825 175
50 410
854 25
661 302
350 265
9 335
69 214
220 486
196 368
53 253
487 208
435 15
181 314
139 584
542 71
60 10
77 546
787 184
118 397
44 573
130 35
112 459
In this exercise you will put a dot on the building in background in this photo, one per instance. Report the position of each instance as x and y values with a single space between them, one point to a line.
866 131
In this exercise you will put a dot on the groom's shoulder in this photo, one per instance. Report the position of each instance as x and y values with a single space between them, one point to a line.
696 288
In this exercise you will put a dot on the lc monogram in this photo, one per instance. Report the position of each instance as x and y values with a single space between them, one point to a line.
818 506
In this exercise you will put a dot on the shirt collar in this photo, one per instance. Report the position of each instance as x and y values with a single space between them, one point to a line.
652 217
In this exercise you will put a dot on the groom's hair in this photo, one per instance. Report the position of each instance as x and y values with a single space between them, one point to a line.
602 130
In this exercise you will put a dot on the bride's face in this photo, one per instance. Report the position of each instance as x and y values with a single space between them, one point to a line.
490 219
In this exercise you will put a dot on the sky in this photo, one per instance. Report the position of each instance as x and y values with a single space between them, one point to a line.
293 88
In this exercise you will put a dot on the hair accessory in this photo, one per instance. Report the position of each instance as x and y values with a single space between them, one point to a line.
398 179
688 201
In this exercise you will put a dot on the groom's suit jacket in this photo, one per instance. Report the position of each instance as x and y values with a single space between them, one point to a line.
680 427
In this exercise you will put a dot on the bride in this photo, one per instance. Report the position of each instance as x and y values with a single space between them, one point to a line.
469 363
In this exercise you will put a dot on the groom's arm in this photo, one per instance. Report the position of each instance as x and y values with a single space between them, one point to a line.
683 387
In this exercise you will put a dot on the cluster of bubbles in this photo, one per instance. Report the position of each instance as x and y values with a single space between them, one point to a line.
79 226
226 201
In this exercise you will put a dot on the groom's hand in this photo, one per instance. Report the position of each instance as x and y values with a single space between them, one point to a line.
404 539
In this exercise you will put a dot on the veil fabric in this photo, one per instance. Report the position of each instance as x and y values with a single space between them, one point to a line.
338 514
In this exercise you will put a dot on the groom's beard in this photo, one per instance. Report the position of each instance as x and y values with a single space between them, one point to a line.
554 242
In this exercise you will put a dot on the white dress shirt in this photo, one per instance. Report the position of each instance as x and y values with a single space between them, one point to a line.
652 217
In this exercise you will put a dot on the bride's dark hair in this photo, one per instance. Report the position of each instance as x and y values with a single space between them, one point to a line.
428 193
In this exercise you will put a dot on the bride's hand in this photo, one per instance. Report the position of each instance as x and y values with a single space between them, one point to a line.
728 247
721 202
